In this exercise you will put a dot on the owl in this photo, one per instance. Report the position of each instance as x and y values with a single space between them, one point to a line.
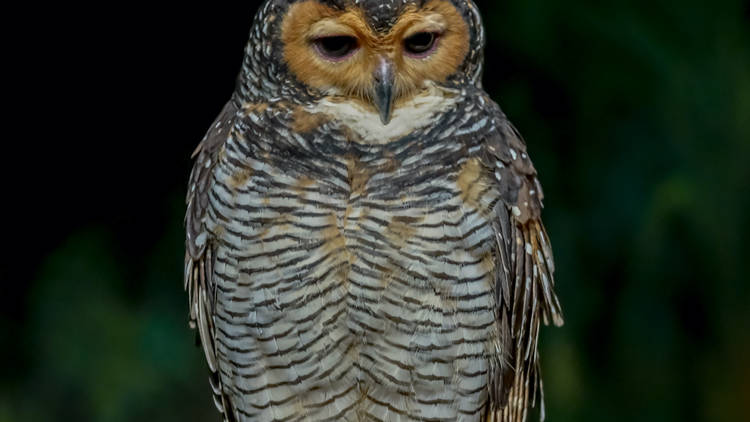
364 239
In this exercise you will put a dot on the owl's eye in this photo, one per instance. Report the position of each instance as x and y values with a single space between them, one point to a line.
337 47
421 44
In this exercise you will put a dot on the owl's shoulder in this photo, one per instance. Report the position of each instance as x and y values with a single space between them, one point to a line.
205 156
503 152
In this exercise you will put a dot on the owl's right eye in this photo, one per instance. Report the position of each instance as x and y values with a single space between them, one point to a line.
337 47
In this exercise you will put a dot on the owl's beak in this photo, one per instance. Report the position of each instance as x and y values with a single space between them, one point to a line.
385 79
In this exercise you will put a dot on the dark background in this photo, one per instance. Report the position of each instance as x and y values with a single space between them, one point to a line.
637 114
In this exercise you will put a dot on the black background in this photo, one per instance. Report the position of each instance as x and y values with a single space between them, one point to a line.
118 99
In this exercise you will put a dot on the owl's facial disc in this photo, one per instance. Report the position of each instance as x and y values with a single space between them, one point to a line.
339 54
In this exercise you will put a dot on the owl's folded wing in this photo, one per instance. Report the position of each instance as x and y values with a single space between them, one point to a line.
199 259
524 274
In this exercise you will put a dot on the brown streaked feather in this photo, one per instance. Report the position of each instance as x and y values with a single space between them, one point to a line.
305 122
199 254
524 278
361 274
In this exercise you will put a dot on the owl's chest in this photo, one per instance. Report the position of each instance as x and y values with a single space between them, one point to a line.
382 266
381 225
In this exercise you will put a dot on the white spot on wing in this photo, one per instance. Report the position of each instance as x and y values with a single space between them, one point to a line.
201 239
475 127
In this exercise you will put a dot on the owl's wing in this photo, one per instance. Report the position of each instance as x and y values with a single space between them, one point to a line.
524 274
199 259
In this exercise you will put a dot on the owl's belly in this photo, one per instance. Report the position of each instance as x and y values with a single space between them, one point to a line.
336 307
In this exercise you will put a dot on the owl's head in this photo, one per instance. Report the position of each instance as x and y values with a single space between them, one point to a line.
379 53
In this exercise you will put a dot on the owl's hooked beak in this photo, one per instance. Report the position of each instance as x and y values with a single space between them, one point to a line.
385 79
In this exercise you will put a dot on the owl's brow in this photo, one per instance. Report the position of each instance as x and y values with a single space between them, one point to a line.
412 19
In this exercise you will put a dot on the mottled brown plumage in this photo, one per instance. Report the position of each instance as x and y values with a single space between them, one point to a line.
364 236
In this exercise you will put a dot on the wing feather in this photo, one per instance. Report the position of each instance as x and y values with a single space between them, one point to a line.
525 275
199 259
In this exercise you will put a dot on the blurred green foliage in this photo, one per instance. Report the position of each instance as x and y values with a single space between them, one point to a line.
637 114
100 351
646 170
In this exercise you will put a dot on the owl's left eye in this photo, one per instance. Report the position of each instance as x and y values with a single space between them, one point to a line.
421 44
336 47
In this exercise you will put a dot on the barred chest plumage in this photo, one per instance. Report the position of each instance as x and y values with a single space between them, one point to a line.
354 279
364 238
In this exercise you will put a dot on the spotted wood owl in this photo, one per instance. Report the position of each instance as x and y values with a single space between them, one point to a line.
364 239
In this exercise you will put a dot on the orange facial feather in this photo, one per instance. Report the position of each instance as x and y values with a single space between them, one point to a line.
353 77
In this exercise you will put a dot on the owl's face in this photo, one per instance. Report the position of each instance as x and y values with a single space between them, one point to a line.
379 54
